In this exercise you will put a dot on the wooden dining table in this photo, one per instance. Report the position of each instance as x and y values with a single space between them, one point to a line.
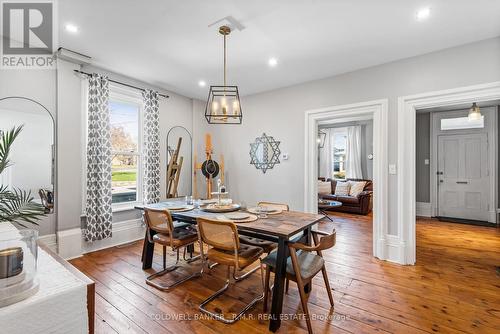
282 228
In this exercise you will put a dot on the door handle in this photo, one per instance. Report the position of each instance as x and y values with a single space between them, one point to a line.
462 182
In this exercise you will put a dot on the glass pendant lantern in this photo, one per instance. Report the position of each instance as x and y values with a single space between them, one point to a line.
223 103
474 112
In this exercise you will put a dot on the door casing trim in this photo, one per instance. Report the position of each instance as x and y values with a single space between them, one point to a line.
407 107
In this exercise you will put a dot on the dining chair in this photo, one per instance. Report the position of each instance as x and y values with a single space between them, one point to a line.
225 249
266 245
301 267
176 236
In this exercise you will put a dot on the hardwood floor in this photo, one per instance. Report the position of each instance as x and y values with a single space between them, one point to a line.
454 288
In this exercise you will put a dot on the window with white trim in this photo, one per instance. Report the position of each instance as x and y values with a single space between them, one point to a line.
125 112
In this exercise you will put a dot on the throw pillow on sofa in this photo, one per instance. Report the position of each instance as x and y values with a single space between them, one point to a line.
356 188
342 188
324 188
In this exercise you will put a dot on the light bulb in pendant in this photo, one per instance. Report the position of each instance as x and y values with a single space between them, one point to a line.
223 103
236 107
215 107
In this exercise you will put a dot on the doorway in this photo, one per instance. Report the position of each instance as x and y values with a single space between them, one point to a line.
407 111
376 110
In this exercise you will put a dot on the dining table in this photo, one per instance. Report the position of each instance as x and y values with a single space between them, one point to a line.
282 228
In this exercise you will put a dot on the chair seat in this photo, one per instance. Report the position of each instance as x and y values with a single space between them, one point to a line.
310 264
266 245
247 255
181 236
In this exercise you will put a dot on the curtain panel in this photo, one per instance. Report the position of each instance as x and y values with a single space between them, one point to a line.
151 147
98 193
353 153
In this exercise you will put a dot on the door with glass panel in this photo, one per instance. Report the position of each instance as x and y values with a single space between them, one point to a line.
463 176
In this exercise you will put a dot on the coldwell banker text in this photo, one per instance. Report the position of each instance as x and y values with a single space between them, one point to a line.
28 35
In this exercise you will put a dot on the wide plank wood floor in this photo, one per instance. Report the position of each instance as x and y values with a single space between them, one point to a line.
454 288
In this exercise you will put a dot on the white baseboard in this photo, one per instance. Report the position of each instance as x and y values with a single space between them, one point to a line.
393 250
423 209
72 245
123 232
49 240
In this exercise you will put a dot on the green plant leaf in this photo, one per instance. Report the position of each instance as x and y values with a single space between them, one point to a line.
17 206
6 141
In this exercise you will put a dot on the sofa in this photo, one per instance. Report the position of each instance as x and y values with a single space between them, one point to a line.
361 204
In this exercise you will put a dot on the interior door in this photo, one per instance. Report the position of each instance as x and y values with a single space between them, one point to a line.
463 179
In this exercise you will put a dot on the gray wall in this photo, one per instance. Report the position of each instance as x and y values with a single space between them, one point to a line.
280 113
423 151
366 147
61 90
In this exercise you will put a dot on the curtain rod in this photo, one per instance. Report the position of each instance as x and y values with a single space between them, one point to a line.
121 83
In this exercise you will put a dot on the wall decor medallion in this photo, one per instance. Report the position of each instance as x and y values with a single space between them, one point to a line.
264 152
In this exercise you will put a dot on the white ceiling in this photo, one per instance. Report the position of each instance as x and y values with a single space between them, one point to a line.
168 43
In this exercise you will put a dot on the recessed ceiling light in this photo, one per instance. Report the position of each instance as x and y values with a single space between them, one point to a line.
202 83
71 28
423 14
272 62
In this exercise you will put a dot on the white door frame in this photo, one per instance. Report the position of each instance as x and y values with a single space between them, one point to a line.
376 110
407 107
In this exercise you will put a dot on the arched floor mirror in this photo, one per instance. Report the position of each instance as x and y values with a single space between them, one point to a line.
32 154
179 140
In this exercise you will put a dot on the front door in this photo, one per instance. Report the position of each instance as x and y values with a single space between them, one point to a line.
463 176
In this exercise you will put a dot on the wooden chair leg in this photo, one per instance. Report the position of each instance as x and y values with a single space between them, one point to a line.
266 288
305 309
164 257
287 285
327 285
300 285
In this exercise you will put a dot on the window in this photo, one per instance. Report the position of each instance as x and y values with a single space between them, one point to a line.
339 152
125 120
461 123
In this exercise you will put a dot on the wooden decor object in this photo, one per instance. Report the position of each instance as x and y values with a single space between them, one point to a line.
199 166
174 171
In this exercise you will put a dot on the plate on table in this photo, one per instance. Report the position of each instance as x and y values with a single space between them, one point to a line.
183 207
238 217
221 208
205 202
268 210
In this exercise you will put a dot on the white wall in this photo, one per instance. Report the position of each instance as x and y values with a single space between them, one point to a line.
280 113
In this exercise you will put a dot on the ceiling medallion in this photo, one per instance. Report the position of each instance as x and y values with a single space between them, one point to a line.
265 152
223 103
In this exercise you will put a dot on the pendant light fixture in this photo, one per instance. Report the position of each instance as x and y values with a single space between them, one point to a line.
223 103
474 112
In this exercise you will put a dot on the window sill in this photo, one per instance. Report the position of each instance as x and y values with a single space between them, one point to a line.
124 207
118 208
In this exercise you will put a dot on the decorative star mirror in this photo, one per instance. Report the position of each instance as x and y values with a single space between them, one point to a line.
264 152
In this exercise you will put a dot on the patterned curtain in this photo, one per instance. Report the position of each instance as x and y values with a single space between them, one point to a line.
151 147
98 200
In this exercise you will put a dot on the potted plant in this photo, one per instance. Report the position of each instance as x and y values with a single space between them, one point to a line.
18 207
